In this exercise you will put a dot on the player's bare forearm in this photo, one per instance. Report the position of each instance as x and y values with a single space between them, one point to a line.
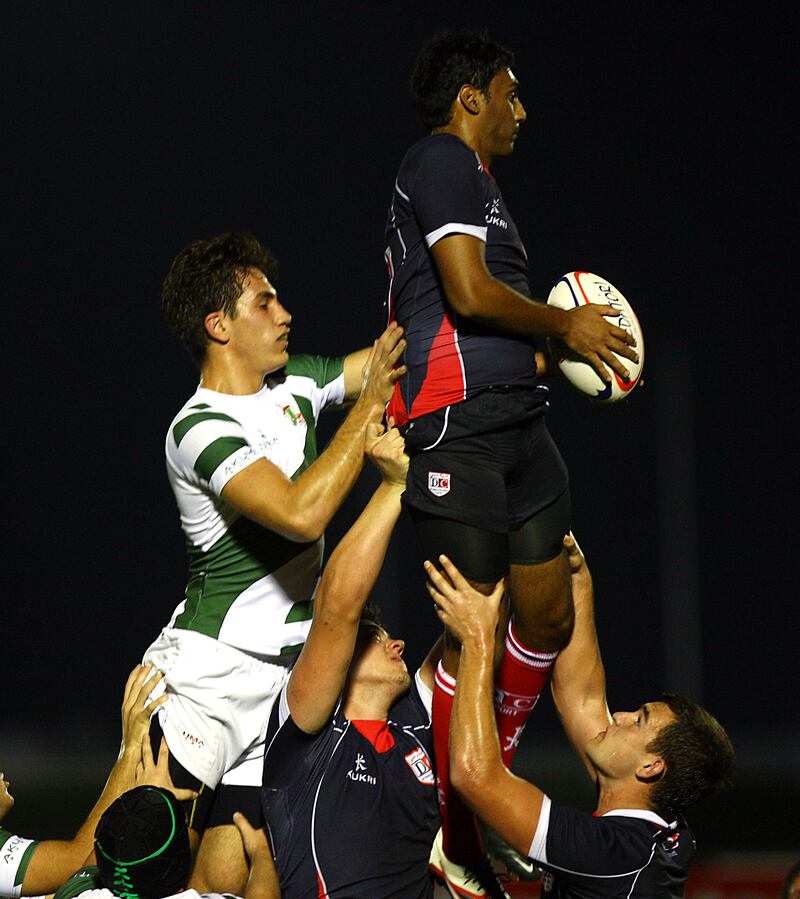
505 802
578 683
474 292
262 881
355 564
350 574
353 378
302 509
53 861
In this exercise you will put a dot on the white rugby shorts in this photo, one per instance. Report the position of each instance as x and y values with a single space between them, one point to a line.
220 699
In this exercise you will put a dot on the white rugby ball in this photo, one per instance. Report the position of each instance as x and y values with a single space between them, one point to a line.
576 289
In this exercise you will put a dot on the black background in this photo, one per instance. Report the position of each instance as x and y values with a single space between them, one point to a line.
658 152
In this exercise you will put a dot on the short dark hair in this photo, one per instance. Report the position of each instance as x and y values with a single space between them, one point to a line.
698 754
449 60
142 845
371 614
207 276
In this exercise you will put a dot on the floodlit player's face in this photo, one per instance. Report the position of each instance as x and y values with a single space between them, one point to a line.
260 330
379 658
503 113
6 799
621 748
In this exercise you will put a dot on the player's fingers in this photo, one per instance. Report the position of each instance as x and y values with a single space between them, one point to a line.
594 360
163 755
457 579
436 577
622 349
621 334
184 794
616 364
132 685
437 597
374 431
396 373
155 704
496 595
396 352
150 683
147 751
606 311
390 338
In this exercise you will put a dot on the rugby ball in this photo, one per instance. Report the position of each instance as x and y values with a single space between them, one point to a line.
577 289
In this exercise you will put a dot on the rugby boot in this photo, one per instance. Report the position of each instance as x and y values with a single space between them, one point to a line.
518 866
465 883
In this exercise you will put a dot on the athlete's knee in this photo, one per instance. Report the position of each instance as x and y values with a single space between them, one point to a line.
541 600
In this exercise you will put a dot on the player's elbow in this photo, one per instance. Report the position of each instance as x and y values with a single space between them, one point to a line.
305 527
468 777
465 298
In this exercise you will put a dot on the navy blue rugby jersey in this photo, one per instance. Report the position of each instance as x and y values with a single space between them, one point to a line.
352 810
625 852
442 189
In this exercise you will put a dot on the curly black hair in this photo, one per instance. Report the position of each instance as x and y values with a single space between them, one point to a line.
207 276
698 754
449 60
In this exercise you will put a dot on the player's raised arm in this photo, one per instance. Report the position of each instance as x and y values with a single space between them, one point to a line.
53 861
350 574
504 801
262 879
301 509
475 293
579 681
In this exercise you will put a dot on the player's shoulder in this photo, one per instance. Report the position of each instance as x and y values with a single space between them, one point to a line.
204 406
320 370
439 151
84 882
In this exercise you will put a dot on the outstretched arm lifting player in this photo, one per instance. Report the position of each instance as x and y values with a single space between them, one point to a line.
648 765
30 867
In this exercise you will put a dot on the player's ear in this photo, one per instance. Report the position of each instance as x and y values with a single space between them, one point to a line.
216 326
653 768
469 98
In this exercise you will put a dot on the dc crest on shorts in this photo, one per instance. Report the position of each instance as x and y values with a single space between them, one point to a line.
439 482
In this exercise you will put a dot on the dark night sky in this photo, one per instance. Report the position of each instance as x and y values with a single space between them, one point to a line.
657 152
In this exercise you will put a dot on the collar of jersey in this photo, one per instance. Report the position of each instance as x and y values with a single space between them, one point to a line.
376 731
643 813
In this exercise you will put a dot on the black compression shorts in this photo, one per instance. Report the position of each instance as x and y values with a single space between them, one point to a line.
487 485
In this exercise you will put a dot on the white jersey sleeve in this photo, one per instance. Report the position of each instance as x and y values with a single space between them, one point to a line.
15 855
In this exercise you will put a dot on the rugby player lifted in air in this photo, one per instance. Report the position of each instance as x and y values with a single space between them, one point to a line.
487 485
254 501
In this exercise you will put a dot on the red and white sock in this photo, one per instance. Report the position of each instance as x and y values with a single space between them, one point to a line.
519 682
460 836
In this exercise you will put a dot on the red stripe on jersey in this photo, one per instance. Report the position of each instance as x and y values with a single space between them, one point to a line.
377 732
396 408
445 381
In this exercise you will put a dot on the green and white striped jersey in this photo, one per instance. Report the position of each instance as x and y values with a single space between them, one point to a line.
15 855
248 586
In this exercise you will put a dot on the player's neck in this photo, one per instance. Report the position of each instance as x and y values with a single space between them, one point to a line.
226 374
615 794
461 128
366 703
